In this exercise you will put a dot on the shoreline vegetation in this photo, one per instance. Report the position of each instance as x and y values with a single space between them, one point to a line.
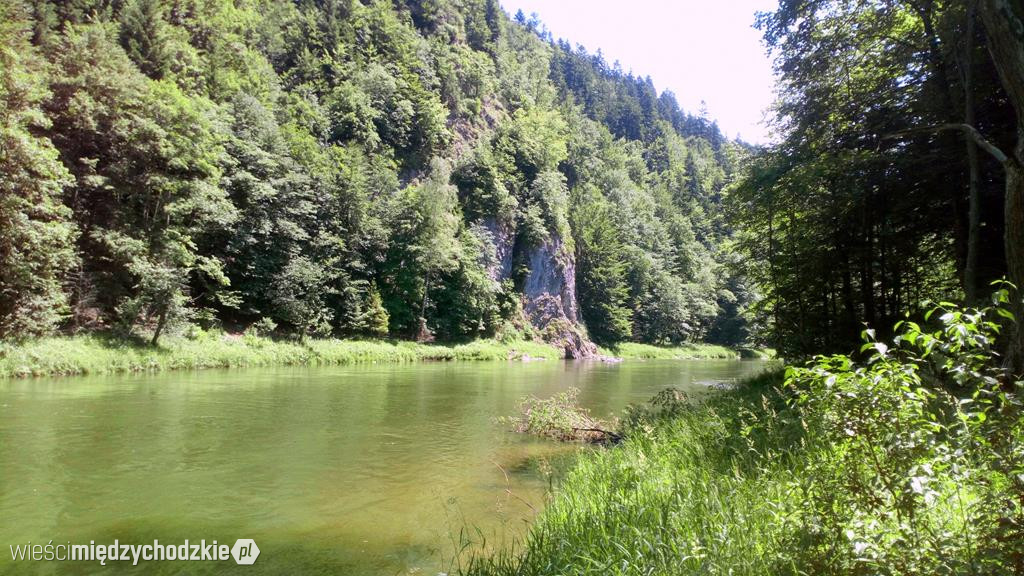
667 484
692 351
95 354
904 459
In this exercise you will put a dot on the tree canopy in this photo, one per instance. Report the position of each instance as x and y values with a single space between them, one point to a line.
333 167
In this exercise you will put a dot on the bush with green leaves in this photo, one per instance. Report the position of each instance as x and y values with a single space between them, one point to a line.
916 459
909 461
560 417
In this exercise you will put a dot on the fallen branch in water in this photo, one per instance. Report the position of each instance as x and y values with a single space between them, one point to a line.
615 437
508 488
561 418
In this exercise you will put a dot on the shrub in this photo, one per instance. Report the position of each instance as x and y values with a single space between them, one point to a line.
916 466
560 417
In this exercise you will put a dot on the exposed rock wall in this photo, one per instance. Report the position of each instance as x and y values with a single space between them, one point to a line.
550 294
504 237
550 288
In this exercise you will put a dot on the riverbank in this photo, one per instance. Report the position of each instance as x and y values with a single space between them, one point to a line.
684 497
890 466
67 356
76 355
694 351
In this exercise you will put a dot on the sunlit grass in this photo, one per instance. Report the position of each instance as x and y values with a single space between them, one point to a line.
98 355
679 499
696 351
94 354
731 485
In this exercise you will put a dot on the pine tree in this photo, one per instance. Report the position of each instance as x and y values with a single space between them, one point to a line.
601 273
144 37
36 233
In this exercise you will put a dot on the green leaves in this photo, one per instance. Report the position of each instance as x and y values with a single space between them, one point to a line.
345 168
857 213
37 233
144 36
601 272
900 440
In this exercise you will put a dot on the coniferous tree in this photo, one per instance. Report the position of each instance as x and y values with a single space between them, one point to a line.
144 37
601 273
36 233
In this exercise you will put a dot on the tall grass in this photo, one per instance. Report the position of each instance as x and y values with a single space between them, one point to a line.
695 351
98 355
686 496
907 461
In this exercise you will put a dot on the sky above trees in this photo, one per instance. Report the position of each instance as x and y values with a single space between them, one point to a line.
697 49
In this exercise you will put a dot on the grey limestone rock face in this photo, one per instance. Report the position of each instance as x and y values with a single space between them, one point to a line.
552 273
549 292
504 237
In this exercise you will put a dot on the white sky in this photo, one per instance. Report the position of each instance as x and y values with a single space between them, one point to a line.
699 49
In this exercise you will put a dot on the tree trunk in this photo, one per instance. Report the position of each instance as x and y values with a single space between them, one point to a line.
1004 23
974 210
422 332
1014 239
161 322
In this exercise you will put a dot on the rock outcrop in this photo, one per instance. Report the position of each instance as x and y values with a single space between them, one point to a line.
504 238
550 294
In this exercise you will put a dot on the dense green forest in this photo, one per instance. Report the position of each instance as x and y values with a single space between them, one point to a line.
877 232
416 169
438 169
896 178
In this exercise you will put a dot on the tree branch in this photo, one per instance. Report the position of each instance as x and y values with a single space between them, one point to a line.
968 131
615 437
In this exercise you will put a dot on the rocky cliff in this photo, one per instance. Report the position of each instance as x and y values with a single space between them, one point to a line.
549 291
550 294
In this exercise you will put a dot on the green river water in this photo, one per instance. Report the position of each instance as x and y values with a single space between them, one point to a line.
334 470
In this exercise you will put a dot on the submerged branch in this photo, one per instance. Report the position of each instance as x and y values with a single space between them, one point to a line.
560 418
615 437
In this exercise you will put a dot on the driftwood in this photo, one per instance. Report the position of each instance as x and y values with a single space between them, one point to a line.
560 417
611 435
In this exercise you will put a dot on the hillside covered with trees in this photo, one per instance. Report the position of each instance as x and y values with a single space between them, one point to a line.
412 169
437 169
884 232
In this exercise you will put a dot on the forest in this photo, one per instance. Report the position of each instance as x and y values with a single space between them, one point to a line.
415 170
437 169
221 183
895 181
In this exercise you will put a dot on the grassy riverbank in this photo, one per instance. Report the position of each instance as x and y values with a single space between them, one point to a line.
65 356
900 464
61 356
684 498
737 486
694 351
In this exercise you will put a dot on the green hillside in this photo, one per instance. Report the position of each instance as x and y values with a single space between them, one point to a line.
416 169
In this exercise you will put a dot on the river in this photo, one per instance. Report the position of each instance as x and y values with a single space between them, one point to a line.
376 469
